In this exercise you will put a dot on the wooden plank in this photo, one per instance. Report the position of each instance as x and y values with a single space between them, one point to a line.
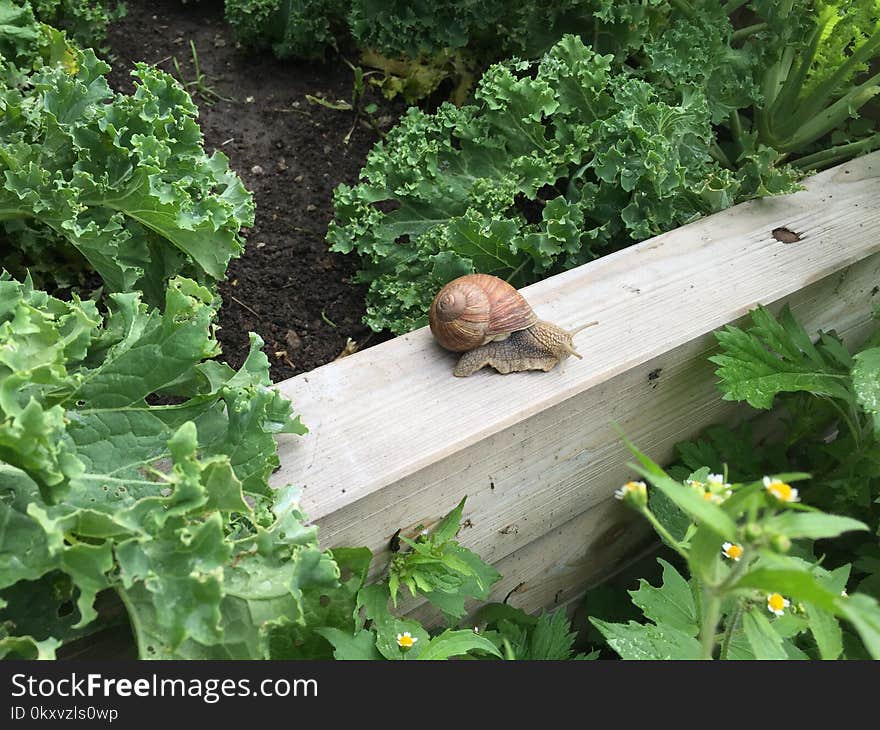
560 565
396 441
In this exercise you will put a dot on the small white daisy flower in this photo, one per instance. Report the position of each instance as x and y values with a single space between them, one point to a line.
406 640
732 551
782 491
776 604
634 493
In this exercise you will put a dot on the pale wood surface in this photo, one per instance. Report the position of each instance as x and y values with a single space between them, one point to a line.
396 441
559 565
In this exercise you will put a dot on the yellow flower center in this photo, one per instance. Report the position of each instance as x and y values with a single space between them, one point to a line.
782 491
776 602
405 641
733 552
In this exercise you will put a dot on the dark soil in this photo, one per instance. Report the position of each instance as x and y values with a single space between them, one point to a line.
291 154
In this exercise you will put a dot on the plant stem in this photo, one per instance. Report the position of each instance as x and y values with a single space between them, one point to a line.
728 632
709 624
683 7
733 576
663 532
823 92
736 131
734 5
743 33
850 423
195 57
712 597
718 155
833 155
515 272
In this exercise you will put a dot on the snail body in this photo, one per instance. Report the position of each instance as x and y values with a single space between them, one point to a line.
492 324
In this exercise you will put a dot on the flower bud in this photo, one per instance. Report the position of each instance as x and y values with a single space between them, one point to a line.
635 494
780 543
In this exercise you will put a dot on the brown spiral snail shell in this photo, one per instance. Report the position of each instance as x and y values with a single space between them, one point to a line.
490 321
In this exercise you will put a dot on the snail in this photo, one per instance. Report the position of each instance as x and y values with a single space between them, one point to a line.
492 324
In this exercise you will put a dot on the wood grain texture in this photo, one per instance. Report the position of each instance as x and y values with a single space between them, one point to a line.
395 440
558 566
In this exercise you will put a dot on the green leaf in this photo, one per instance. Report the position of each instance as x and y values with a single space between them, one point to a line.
813 525
826 631
647 641
123 179
701 510
373 600
796 584
457 643
553 161
441 570
863 612
824 626
765 642
449 525
26 647
672 604
551 638
104 490
180 575
866 383
361 646
772 357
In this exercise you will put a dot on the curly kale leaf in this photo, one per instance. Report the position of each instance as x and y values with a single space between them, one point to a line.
291 28
86 21
168 505
121 181
553 164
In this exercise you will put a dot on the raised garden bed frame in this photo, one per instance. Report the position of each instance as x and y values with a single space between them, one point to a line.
396 441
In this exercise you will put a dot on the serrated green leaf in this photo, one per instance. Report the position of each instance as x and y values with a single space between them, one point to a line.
824 626
672 604
361 646
551 638
763 639
826 632
866 381
772 357
647 641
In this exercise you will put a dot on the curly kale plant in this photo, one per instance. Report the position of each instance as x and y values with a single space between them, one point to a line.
85 21
290 28
121 182
552 165
696 108
492 30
